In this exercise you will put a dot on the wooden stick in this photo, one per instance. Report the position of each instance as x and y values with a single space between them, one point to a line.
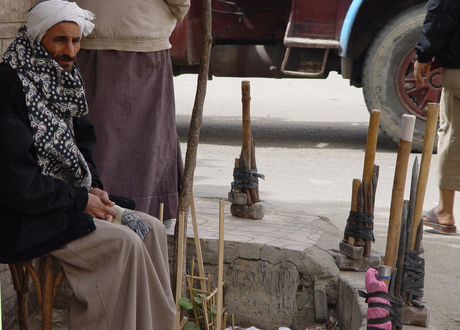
397 198
180 249
427 150
370 210
359 240
190 289
199 254
368 169
375 180
161 214
354 204
254 166
194 134
220 278
223 322
410 215
244 164
246 100
401 250
371 146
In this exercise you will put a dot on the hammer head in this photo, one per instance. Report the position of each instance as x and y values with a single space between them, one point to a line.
253 211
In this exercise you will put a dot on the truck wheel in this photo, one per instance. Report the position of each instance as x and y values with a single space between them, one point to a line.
388 81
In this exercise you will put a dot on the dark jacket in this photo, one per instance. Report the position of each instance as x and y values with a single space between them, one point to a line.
441 34
38 213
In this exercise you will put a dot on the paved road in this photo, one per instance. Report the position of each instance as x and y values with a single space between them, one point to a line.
310 140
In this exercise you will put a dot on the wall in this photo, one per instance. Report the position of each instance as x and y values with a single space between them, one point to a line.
13 14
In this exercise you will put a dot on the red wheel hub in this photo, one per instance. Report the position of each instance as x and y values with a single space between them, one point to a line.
412 95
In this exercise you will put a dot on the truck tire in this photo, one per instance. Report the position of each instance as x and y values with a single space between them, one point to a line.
388 81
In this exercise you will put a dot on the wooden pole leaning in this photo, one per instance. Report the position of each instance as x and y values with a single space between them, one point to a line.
397 198
427 151
194 133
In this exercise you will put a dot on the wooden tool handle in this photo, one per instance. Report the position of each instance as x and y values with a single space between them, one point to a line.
354 204
246 100
397 198
427 150
371 146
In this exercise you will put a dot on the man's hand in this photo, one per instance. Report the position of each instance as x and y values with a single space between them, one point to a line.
421 68
98 205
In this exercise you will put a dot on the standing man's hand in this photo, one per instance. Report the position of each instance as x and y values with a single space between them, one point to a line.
98 205
421 68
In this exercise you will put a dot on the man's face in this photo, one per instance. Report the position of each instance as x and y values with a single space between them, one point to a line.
62 42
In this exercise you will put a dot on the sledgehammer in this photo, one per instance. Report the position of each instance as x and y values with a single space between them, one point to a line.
397 198
250 209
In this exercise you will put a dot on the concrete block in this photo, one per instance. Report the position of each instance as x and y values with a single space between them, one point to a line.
354 252
351 310
358 265
321 311
419 316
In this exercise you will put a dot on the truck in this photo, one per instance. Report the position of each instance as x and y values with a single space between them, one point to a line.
369 42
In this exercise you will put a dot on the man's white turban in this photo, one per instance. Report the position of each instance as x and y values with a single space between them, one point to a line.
46 14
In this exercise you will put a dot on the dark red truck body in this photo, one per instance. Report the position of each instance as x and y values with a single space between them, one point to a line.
369 42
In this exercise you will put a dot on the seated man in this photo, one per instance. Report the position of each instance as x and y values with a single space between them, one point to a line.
51 196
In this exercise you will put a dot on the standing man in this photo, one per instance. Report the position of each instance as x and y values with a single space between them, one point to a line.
51 197
440 44
127 70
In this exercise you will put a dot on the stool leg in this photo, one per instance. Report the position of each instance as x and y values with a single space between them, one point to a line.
20 278
23 313
47 307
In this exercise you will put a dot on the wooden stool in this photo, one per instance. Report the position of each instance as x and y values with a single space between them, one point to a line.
46 292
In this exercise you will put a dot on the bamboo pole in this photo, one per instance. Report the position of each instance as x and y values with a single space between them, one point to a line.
194 135
180 238
220 278
161 213
397 198
427 150
199 253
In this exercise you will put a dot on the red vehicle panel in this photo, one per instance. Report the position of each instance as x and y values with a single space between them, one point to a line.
369 42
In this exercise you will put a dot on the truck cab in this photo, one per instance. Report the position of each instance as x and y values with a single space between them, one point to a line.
369 42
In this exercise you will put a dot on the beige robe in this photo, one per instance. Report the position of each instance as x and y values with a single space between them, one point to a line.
118 280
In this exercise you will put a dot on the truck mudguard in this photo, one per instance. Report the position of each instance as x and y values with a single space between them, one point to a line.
347 26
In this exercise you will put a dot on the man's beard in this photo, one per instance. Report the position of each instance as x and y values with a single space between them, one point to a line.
64 57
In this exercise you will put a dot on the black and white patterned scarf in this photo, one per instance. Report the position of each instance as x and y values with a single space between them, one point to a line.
53 98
